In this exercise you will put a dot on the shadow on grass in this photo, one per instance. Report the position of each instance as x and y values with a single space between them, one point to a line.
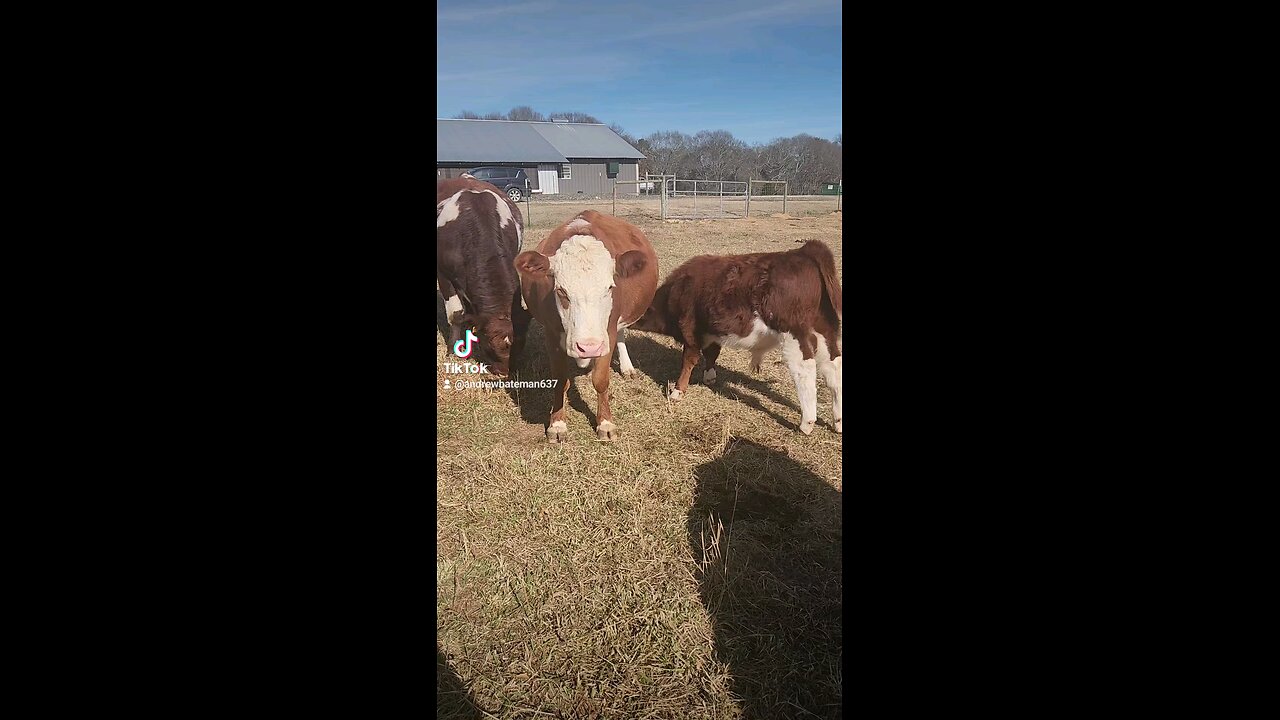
535 403
765 532
453 700
662 365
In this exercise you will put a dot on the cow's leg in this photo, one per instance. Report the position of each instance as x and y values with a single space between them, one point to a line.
519 328
557 427
600 372
691 356
829 364
710 352
453 310
758 352
799 349
624 359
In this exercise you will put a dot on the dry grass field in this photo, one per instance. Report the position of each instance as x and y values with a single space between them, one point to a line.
690 570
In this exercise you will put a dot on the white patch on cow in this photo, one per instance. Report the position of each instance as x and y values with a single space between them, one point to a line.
582 362
577 223
583 269
831 375
606 426
709 376
504 212
624 359
805 374
447 210
761 338
453 310
676 394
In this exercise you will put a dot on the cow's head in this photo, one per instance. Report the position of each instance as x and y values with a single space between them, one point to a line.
583 275
495 335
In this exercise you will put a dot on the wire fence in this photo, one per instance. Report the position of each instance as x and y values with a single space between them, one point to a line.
666 197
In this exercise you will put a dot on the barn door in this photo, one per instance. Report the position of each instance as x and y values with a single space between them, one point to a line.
549 179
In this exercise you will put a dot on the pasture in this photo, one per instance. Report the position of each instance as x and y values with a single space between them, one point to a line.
690 570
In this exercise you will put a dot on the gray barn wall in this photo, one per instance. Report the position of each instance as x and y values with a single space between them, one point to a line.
591 178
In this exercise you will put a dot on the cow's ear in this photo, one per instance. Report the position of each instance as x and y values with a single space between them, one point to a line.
532 262
630 263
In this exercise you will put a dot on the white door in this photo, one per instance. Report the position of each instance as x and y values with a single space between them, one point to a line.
549 179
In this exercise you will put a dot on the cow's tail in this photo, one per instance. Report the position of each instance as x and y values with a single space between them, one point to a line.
821 254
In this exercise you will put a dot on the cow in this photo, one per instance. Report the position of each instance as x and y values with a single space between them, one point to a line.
757 302
590 278
478 233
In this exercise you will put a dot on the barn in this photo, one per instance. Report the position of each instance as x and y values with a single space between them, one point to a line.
560 158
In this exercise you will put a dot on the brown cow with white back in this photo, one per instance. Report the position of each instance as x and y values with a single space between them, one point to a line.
478 232
590 278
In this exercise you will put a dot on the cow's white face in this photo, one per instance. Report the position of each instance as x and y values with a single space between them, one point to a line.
583 273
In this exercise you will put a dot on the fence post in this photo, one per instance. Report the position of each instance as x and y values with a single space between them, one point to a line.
784 198
721 197
839 192
695 199
749 181
662 196
528 208
615 199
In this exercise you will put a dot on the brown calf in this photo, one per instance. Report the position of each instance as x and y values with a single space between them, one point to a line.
591 277
757 302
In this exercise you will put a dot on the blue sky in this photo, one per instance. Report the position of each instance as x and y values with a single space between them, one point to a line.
760 69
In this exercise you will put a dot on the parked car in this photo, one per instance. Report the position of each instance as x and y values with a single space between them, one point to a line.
511 180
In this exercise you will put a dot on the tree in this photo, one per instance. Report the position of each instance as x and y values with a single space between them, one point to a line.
524 112
573 117
668 153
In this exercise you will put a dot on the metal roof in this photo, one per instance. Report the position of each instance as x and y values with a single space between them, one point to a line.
482 141
582 140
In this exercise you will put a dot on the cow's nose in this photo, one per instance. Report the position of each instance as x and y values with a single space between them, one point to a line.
590 348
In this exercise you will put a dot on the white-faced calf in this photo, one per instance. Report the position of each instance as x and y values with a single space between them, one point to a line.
591 277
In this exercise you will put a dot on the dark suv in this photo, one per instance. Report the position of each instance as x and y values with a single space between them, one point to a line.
513 180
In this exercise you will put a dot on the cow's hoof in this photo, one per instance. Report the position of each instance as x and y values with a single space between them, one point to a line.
753 368
629 373
839 427
676 395
557 432
709 377
607 431
806 427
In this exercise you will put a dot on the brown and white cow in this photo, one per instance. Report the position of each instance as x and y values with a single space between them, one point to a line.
757 302
591 277
478 234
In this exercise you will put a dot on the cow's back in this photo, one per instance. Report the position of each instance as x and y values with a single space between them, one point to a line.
725 293
478 233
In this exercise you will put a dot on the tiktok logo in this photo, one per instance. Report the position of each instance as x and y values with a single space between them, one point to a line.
458 347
